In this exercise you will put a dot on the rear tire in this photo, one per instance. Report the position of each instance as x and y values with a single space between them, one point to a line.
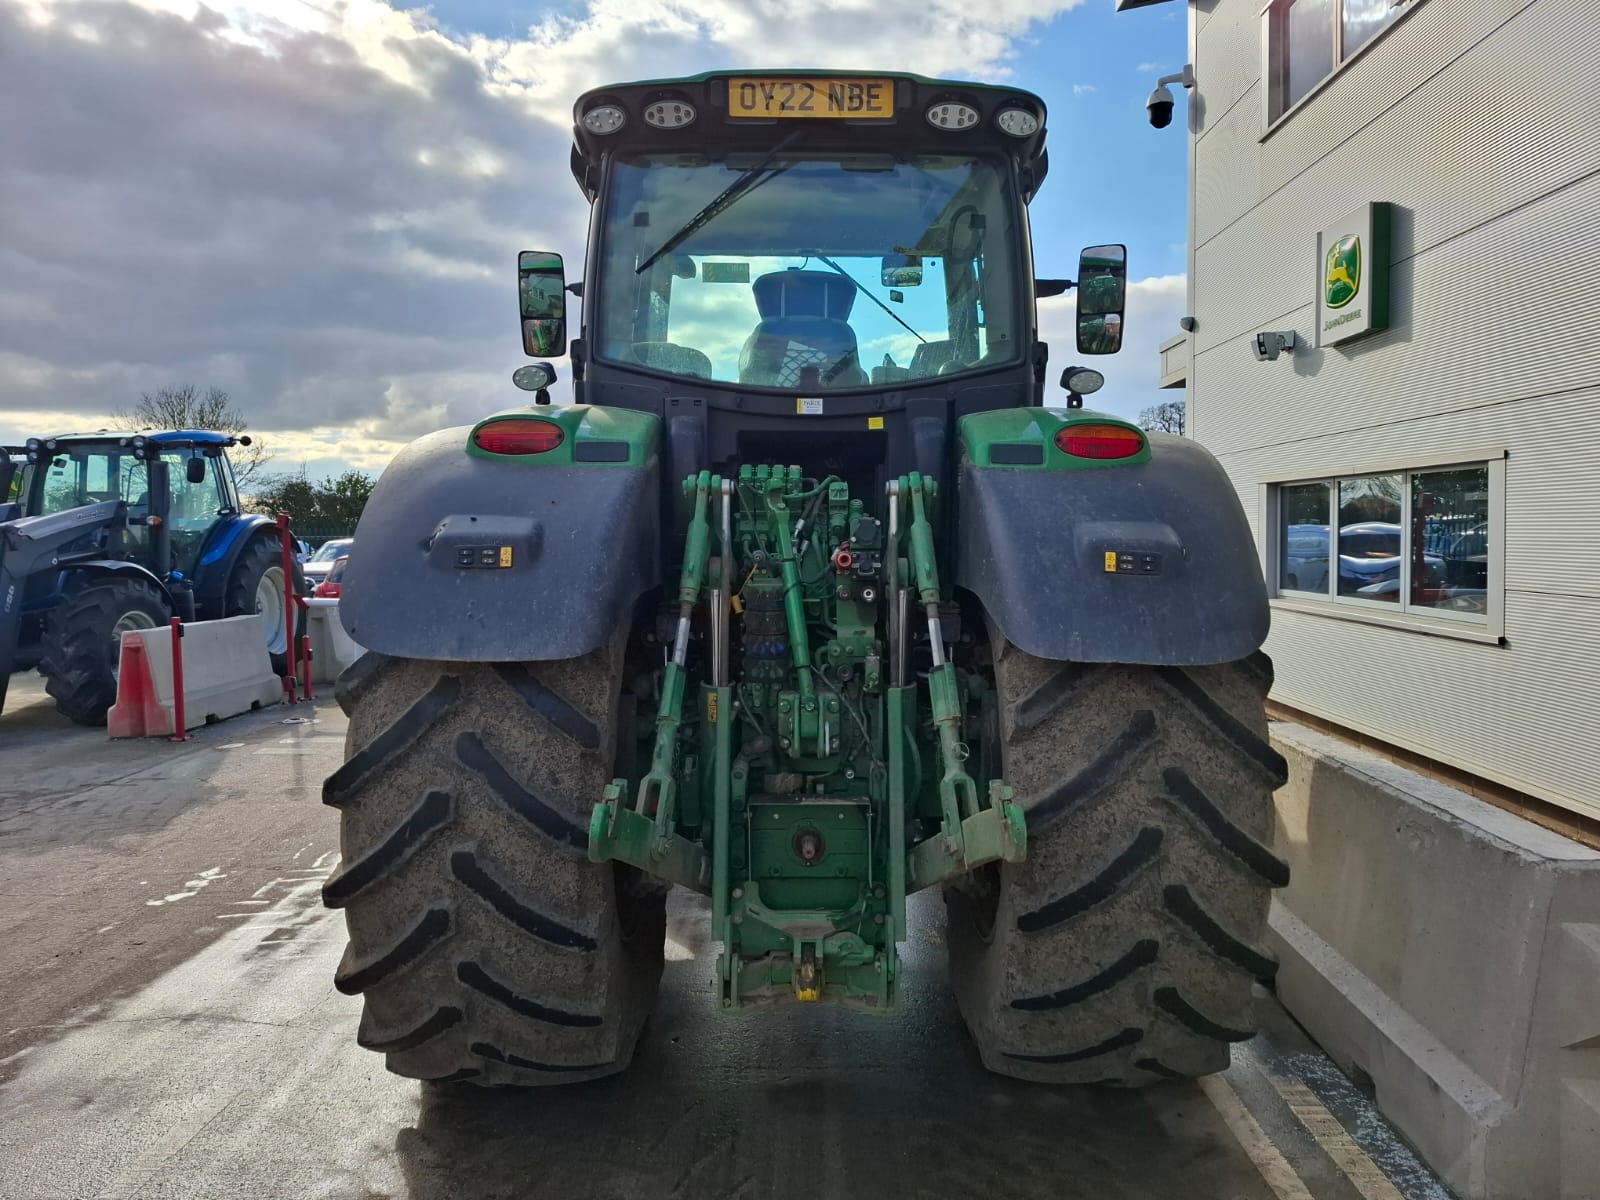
485 945
81 648
1123 949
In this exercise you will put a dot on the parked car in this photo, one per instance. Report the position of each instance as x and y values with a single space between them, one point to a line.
331 586
316 567
1369 555
1305 558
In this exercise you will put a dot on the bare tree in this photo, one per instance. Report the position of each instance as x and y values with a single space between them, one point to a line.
1166 417
183 406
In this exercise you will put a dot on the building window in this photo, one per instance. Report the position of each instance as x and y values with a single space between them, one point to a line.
1307 39
1417 542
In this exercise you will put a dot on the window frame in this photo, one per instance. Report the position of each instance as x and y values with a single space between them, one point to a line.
1490 627
1272 88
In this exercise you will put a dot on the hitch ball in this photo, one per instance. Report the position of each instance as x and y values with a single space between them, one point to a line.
809 846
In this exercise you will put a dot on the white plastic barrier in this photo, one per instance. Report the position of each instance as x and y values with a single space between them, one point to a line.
226 671
332 649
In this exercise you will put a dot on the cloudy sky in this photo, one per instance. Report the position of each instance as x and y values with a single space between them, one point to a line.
316 204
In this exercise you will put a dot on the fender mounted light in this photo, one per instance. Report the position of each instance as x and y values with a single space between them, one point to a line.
1099 441
518 436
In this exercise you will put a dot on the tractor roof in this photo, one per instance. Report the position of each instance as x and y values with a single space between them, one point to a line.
174 437
884 111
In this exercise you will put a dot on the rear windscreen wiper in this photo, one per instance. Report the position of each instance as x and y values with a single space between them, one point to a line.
748 180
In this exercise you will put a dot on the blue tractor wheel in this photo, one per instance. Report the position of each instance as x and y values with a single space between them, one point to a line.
256 586
82 644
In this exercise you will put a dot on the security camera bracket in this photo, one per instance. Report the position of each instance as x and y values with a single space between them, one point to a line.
1185 77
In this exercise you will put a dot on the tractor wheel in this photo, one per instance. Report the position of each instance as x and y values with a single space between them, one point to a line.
83 644
1123 949
256 586
484 943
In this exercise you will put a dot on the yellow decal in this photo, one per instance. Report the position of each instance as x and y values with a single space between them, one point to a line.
505 556
711 708
1111 561
874 422
807 994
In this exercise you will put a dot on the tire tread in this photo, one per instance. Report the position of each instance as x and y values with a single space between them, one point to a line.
1122 951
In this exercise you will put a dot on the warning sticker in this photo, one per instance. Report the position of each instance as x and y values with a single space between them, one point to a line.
874 422
505 556
1122 562
808 408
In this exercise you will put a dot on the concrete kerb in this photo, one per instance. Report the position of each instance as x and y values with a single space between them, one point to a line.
1449 952
226 671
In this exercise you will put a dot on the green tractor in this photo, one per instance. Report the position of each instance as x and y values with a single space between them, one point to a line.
806 603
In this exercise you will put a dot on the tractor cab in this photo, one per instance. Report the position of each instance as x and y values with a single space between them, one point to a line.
184 479
845 249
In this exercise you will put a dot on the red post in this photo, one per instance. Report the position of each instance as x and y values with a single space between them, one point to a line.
179 717
288 606
305 665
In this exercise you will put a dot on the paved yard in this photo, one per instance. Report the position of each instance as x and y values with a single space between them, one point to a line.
168 1028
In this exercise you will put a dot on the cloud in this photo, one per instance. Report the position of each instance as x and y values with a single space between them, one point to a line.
1147 66
316 206
1132 375
1079 89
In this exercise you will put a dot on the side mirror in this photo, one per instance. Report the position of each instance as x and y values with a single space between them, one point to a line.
195 469
541 292
901 270
1102 298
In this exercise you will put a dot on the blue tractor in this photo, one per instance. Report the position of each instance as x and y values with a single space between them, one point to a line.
104 533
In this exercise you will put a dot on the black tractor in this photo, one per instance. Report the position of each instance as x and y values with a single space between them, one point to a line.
105 533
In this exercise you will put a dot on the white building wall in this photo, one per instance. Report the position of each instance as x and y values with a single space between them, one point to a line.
1478 121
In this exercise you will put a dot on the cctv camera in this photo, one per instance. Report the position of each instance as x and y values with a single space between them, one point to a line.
1267 346
1160 106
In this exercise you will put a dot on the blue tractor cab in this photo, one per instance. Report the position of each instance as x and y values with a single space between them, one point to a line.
103 533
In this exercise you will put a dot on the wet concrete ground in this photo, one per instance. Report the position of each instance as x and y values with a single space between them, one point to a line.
168 1028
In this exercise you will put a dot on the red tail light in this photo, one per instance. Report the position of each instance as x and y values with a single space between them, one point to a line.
518 437
1099 441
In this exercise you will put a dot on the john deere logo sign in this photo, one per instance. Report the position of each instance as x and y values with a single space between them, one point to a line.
1353 276
1343 272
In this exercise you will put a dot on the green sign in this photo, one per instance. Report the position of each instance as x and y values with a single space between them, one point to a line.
1353 276
1343 273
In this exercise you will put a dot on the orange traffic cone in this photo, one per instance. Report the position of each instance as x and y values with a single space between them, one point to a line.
136 702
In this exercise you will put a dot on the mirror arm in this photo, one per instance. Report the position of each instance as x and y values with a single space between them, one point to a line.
1051 287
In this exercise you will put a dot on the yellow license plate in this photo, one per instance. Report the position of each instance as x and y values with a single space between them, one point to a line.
855 99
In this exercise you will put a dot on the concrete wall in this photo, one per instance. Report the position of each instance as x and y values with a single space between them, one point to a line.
1450 952
332 649
1476 119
